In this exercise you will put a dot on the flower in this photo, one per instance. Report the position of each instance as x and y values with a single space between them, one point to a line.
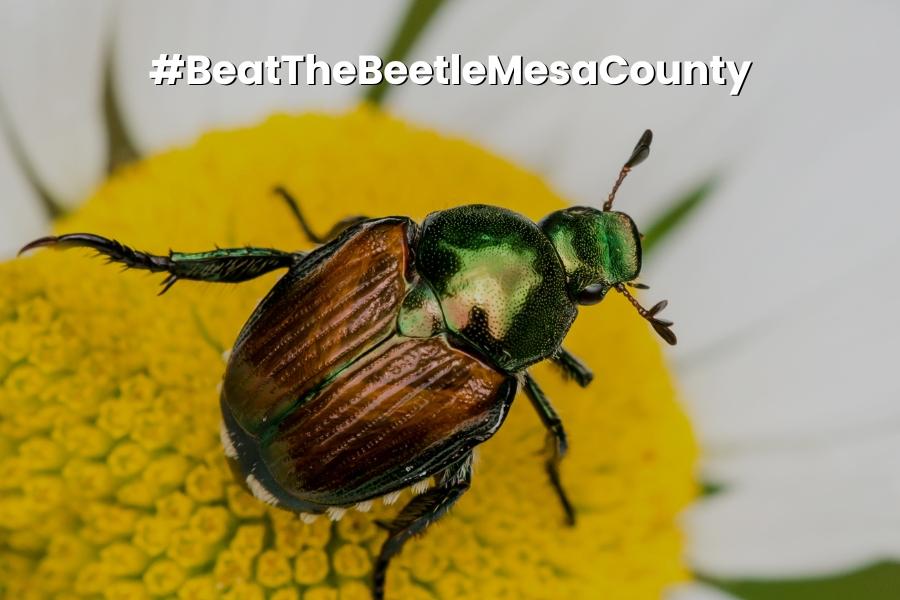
115 483
787 382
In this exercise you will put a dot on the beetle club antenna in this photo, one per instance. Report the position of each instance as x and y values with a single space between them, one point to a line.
662 327
640 152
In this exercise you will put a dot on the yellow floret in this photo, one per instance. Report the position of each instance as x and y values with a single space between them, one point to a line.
273 569
112 480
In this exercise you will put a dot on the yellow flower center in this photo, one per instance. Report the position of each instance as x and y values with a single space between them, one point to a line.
113 482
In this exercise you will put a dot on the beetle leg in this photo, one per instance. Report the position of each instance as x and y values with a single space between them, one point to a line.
335 230
556 440
573 367
421 511
224 265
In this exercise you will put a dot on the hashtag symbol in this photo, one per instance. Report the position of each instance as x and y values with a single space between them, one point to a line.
167 70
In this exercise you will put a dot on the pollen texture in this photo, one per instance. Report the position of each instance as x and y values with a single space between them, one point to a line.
113 480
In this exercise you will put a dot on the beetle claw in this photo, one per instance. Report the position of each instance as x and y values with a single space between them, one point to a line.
167 283
43 242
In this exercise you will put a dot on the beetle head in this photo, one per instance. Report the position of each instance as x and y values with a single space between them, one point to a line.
597 248
601 249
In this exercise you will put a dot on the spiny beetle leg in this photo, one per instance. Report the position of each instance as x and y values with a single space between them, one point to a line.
552 468
556 439
573 367
421 511
224 265
312 236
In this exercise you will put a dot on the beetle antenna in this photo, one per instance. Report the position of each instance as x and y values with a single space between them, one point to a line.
662 327
640 152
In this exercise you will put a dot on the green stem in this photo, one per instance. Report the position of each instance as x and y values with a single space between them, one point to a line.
676 214
121 149
417 17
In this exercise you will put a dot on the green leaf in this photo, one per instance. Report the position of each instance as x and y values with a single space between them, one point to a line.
710 488
879 582
51 208
122 150
676 214
417 17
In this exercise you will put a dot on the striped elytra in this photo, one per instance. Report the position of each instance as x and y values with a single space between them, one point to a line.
334 406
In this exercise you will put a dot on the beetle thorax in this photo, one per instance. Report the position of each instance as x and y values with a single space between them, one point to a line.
499 282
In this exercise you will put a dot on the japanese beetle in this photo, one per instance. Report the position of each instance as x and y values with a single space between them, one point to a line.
385 355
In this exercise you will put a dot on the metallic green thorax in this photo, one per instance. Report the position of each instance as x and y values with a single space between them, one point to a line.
420 314
500 283
596 247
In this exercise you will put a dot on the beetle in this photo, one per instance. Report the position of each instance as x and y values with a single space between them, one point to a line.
384 356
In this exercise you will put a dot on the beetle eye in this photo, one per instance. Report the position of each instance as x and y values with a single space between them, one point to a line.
592 294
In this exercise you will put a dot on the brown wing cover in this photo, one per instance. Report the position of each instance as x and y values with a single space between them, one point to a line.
392 418
342 301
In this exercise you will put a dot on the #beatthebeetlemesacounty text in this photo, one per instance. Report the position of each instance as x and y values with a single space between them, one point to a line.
452 70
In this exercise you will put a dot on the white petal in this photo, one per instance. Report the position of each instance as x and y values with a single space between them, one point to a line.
52 64
800 512
864 458
823 369
160 116
696 591
783 228
22 218
342 30
579 136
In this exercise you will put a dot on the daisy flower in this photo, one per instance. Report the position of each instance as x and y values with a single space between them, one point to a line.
114 483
